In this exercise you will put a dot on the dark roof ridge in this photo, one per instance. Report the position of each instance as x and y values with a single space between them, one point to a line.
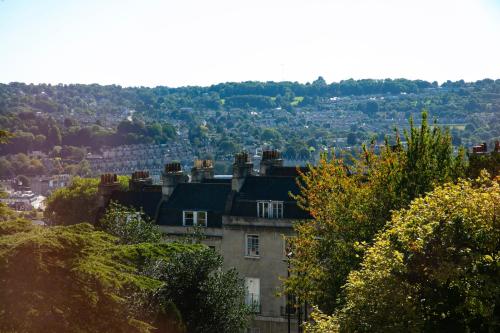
272 176
205 184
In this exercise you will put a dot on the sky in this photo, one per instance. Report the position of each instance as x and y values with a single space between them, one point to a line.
203 42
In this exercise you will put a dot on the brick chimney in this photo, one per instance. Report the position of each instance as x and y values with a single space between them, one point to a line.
270 159
497 146
107 185
202 169
138 180
171 176
481 149
242 167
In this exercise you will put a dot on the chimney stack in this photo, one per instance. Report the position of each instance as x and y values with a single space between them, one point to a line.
481 149
242 167
202 169
270 158
107 185
171 176
138 180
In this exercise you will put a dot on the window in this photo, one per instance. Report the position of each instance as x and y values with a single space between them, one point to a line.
270 209
252 246
201 218
252 295
192 218
188 218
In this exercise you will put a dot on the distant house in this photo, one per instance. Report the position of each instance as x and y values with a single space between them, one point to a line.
480 158
247 218
45 185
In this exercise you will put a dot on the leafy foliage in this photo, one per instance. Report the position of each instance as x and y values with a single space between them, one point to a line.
435 268
349 205
6 213
20 164
32 131
76 203
130 226
75 279
207 298
321 323
4 136
93 116
65 279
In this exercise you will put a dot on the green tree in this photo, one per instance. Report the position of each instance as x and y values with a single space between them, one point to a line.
269 134
436 268
371 108
6 169
129 225
228 146
349 205
74 204
208 299
4 136
6 213
54 137
68 279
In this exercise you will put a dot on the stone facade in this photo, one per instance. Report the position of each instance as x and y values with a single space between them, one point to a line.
245 218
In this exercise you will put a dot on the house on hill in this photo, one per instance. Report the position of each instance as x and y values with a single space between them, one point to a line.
246 218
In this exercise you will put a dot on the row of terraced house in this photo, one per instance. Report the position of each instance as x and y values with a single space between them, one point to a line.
246 217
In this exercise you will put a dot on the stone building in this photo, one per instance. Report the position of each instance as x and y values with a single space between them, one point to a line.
45 185
246 218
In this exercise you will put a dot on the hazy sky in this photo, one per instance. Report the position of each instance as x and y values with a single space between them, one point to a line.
188 42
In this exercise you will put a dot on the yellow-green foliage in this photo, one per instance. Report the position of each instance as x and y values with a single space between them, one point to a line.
435 268
349 205
4 136
76 203
73 279
321 323
6 213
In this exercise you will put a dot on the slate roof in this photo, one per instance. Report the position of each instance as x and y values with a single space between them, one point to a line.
286 171
214 195
147 200
201 196
210 197
216 181
268 188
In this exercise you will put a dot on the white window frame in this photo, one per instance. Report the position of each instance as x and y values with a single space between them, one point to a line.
248 252
252 299
270 209
197 219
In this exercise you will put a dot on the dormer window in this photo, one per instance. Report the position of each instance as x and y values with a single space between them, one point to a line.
270 209
194 218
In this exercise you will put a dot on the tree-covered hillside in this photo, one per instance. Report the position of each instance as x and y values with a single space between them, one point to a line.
69 121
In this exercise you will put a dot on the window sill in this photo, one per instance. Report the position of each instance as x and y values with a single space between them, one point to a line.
252 257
